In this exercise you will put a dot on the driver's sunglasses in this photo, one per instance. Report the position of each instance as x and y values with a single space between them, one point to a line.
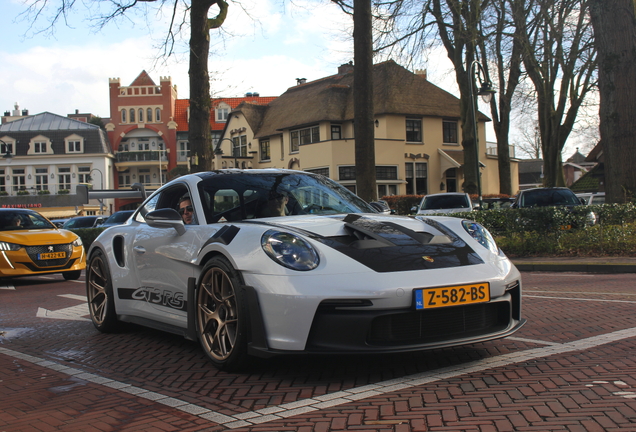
188 209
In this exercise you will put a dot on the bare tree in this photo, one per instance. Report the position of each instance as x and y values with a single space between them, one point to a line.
559 58
615 32
200 26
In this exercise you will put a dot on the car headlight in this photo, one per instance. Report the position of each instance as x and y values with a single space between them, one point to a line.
78 242
289 250
481 234
5 246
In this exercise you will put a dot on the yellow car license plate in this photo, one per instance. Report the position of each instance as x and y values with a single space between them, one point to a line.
51 255
429 298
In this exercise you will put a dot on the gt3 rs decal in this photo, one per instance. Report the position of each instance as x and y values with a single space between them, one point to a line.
155 296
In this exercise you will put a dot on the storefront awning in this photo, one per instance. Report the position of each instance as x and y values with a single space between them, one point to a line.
57 213
452 159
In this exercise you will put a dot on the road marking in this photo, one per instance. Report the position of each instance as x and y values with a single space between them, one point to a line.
578 292
73 313
580 299
536 341
330 400
7 287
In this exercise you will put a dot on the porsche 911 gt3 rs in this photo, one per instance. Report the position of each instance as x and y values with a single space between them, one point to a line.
287 262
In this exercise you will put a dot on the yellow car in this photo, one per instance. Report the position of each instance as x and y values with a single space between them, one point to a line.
31 245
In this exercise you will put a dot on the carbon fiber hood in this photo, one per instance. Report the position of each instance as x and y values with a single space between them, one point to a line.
386 244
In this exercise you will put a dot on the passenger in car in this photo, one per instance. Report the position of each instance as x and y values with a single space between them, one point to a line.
276 204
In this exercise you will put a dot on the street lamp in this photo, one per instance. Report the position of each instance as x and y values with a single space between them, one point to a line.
486 92
218 151
7 156
101 201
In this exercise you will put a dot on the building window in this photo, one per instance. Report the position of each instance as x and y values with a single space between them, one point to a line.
386 190
149 115
157 115
449 129
123 116
124 180
42 178
6 148
132 115
222 113
336 132
83 174
319 171
39 147
141 115
239 146
347 172
3 186
413 130
386 173
264 150
416 178
64 178
19 179
144 175
74 146
303 136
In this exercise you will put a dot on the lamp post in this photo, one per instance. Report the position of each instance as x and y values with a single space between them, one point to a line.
486 92
218 151
101 201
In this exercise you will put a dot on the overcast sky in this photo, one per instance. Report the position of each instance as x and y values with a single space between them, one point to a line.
263 52
262 48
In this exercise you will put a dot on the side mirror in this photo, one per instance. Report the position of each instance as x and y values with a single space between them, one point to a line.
380 207
583 201
166 218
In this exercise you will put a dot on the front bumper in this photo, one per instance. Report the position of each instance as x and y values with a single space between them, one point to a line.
24 262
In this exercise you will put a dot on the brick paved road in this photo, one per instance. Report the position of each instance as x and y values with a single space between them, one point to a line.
571 368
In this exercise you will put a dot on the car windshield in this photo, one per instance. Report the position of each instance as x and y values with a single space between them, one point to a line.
13 221
549 197
436 202
80 222
238 196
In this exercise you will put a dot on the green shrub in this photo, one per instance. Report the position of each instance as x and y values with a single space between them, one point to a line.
88 235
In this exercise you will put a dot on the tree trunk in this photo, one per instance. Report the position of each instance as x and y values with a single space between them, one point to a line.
615 34
363 101
199 134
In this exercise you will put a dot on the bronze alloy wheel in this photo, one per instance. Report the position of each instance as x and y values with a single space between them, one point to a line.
99 292
220 314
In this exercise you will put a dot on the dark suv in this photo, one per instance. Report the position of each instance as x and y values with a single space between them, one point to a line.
551 197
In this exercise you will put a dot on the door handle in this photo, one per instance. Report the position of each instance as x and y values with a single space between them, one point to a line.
139 249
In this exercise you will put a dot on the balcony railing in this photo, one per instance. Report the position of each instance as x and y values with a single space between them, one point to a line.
141 156
492 151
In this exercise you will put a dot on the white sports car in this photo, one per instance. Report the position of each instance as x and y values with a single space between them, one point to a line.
327 274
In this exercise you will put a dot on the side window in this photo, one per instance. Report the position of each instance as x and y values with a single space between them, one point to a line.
148 207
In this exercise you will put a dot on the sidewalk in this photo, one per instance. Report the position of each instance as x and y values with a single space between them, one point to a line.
577 264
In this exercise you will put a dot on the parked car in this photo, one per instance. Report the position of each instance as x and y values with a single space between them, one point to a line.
58 222
31 245
329 274
496 203
117 218
551 197
448 202
594 198
83 222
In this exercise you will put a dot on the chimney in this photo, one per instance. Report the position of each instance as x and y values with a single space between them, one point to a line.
345 68
255 94
249 94
76 111
300 81
25 112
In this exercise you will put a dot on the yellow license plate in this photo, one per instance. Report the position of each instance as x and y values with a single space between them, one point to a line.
429 298
52 255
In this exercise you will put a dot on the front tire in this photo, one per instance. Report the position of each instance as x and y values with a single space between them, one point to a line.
99 292
222 315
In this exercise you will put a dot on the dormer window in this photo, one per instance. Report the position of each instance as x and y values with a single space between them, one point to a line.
40 145
74 144
222 112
